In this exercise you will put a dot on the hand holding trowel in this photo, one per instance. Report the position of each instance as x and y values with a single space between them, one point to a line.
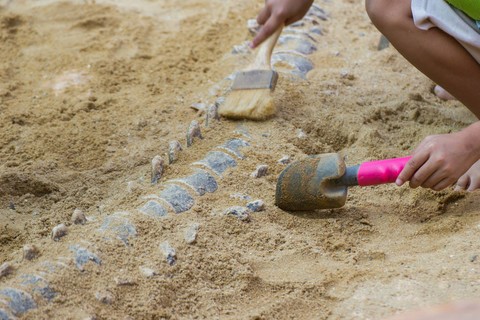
322 181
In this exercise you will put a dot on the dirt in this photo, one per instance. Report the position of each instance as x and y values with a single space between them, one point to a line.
90 92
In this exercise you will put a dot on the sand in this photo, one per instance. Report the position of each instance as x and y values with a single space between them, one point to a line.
90 92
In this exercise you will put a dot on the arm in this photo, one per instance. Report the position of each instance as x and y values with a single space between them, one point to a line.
439 160
279 12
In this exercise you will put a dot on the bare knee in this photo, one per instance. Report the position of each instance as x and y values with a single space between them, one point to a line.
389 15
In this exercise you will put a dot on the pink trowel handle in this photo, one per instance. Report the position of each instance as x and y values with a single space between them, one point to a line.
381 171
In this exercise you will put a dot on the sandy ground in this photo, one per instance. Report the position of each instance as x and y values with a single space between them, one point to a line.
91 92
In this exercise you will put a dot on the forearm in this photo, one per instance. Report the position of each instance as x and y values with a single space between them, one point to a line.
472 138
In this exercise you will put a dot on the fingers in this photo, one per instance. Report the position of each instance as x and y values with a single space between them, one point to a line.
272 24
263 15
417 160
463 183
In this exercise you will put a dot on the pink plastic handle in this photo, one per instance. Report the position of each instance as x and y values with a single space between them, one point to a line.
381 171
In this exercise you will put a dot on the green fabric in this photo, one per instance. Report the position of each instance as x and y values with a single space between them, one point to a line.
470 7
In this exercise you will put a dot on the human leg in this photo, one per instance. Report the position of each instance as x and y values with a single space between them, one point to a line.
440 57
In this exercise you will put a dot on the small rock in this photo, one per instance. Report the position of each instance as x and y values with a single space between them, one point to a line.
157 169
242 213
198 106
105 297
285 160
174 148
124 282
78 217
193 132
473 258
191 233
132 186
383 43
147 272
59 232
256 206
240 196
260 171
5 269
30 252
168 252
301 134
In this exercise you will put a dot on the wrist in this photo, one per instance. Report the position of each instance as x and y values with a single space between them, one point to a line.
471 136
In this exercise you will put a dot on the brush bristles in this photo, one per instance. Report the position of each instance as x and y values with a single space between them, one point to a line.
253 104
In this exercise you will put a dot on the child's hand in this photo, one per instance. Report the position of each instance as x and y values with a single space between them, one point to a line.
279 12
440 160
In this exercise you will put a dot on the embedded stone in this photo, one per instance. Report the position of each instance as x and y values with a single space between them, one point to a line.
78 217
233 145
5 269
256 206
30 251
193 132
201 181
147 272
169 252
39 285
242 213
191 232
59 231
383 43
154 209
119 225
157 169
105 297
177 197
19 302
217 161
285 160
174 148
261 171
83 256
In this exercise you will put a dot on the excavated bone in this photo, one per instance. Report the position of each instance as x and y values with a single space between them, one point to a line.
212 114
193 132
233 145
30 251
297 43
301 65
59 231
78 217
83 255
157 169
201 181
154 209
217 161
37 284
119 225
174 148
177 197
19 302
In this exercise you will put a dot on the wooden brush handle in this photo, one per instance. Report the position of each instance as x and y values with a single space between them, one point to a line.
264 52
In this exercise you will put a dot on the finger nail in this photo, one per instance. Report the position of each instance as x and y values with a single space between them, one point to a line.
251 45
399 182
458 188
